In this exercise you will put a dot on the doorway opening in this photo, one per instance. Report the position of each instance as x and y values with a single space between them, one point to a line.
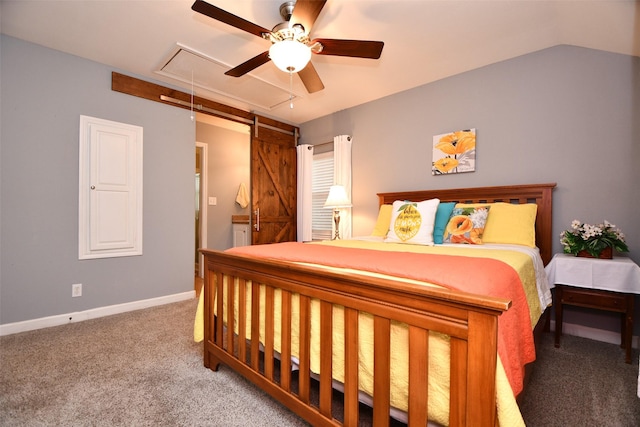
200 206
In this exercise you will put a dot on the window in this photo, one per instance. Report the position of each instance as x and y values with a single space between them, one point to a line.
321 181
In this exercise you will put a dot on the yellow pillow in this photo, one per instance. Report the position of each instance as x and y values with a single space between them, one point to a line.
511 224
384 219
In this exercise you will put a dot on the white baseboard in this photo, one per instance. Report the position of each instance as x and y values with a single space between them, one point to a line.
63 319
610 337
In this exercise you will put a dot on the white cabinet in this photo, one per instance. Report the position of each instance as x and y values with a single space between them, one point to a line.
110 193
241 235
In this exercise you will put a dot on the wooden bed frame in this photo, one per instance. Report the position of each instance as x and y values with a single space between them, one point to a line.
470 320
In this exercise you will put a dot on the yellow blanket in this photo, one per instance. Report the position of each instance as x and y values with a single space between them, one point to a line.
508 411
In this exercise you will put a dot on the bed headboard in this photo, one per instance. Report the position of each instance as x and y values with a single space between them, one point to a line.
540 194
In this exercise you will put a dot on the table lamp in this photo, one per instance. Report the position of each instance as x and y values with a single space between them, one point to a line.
337 199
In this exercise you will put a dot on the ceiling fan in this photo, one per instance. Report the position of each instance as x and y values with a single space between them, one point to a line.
292 46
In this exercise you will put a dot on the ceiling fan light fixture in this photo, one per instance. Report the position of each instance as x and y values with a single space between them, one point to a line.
289 55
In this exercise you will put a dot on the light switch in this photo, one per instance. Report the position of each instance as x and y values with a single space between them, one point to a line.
213 201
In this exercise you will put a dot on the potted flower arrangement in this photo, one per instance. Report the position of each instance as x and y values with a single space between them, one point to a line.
595 241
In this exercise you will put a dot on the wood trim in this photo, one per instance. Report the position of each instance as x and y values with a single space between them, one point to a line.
151 91
240 219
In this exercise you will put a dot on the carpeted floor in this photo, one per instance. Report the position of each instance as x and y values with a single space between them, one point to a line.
134 369
143 369
584 382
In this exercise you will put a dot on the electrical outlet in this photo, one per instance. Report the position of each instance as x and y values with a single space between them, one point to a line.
76 290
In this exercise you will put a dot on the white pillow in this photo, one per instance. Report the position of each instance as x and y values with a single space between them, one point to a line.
412 222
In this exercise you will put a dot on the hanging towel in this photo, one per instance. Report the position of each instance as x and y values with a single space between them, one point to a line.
243 196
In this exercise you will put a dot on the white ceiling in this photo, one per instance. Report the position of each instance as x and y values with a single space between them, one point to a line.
425 40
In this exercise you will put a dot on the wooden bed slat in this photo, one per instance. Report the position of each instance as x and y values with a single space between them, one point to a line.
326 356
210 322
230 314
305 345
482 351
285 353
351 367
382 368
255 326
220 303
242 320
268 342
458 382
419 376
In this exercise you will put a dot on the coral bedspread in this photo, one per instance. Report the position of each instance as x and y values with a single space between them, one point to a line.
479 272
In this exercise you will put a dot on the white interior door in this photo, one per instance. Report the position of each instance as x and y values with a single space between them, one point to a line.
110 189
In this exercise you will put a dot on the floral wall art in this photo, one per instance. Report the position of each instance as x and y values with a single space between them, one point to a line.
454 152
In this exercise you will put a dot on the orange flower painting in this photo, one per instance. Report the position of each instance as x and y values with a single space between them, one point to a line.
454 152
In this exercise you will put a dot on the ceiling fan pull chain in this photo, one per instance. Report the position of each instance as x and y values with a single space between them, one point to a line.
192 95
291 89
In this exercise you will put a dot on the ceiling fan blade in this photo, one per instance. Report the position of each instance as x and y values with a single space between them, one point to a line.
228 18
249 65
310 78
353 48
305 12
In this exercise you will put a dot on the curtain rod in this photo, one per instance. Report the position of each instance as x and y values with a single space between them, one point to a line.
320 145
324 143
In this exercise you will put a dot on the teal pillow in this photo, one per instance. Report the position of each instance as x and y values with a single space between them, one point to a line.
442 218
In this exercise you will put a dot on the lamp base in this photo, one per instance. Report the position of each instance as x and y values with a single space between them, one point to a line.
336 221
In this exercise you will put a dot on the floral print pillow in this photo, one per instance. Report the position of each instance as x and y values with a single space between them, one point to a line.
466 225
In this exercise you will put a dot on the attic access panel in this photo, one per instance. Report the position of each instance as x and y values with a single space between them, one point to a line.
208 74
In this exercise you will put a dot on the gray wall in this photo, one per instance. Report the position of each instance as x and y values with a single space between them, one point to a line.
565 114
44 92
229 158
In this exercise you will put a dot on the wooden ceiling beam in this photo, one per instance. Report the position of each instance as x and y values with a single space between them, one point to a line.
154 92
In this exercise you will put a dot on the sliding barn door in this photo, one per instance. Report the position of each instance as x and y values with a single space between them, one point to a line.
273 187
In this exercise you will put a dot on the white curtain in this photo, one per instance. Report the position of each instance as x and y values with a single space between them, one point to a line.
342 176
305 168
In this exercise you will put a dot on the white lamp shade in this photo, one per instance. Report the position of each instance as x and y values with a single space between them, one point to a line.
337 198
290 56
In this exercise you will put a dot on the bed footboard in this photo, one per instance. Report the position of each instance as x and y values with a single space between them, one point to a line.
469 320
